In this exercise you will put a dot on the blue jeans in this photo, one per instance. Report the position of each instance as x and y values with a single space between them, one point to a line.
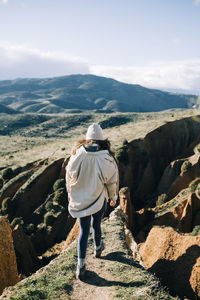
84 225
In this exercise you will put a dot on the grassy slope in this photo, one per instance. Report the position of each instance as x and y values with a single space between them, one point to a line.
81 92
51 139
128 279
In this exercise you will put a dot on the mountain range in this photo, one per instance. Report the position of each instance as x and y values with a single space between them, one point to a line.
77 93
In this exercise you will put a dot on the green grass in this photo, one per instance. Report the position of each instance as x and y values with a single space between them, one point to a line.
52 282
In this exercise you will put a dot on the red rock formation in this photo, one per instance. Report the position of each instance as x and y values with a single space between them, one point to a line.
8 265
27 260
175 259
181 212
127 207
185 178
148 159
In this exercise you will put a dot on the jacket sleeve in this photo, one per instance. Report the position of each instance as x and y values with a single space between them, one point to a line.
72 171
112 180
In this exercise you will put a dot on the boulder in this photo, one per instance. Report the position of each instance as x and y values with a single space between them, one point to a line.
175 259
8 264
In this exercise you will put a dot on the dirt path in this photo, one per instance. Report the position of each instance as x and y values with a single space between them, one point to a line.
98 283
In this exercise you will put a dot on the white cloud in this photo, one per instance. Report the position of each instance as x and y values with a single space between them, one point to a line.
177 75
25 62
196 2
4 1
21 61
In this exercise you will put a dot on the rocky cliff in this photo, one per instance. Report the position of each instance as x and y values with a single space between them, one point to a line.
142 163
175 259
8 264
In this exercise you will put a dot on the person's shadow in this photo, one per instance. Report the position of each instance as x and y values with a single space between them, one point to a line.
176 274
93 278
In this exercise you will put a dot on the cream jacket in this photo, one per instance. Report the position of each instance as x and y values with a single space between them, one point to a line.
91 178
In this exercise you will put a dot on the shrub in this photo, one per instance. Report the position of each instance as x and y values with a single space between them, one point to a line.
17 221
122 154
7 173
196 230
29 229
8 205
125 142
197 192
197 149
1 183
55 209
60 183
49 205
42 228
161 199
186 166
60 197
17 170
49 218
114 121
193 185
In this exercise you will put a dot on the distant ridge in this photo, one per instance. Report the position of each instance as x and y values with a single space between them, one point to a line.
76 93
7 110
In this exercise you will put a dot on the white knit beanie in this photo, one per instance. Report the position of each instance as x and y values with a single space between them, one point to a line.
94 132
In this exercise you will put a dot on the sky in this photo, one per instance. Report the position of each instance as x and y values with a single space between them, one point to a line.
154 43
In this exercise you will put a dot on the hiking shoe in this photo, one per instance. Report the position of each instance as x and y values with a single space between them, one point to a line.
80 272
97 252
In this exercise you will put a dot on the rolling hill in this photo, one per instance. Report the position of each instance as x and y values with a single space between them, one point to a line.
76 93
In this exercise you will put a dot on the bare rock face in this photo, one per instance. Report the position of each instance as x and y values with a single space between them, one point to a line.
183 180
175 259
27 260
181 212
8 264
